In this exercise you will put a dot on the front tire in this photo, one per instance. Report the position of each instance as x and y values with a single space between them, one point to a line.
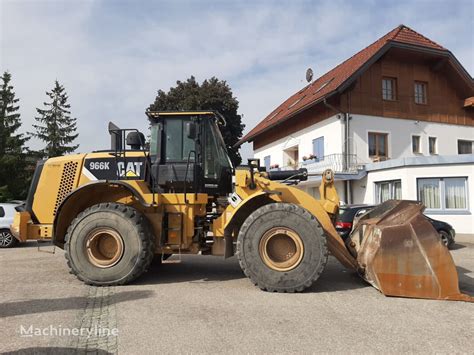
281 247
7 240
109 244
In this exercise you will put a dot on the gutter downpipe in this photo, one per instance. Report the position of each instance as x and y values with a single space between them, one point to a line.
346 147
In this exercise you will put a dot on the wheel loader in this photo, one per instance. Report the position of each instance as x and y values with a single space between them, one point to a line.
113 211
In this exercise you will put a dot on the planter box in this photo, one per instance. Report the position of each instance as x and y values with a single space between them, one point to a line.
311 161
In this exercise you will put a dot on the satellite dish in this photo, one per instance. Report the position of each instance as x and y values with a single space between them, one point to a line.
309 75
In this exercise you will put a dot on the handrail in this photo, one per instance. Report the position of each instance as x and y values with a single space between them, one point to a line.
339 163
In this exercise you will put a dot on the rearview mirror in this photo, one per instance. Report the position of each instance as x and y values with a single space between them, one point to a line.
191 130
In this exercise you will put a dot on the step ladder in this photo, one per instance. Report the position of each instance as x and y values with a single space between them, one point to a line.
179 230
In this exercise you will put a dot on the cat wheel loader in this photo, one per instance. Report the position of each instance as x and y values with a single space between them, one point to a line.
112 211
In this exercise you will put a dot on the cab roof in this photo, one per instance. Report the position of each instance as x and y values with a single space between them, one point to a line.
156 114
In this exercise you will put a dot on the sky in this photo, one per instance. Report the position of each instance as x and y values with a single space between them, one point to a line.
113 56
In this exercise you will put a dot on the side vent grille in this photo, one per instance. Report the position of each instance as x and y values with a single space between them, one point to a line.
66 184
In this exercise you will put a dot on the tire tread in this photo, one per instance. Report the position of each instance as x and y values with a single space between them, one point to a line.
144 232
254 216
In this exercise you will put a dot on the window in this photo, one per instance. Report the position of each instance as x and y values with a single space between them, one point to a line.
323 86
178 145
421 92
155 139
216 160
433 145
318 148
2 212
298 100
415 144
388 190
389 89
273 115
464 147
266 161
443 193
378 144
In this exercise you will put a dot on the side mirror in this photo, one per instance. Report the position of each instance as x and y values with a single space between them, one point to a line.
191 130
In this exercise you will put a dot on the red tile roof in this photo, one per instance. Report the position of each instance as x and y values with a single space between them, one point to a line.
333 79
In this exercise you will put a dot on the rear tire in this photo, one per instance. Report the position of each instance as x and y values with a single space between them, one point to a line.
446 239
281 247
7 240
109 244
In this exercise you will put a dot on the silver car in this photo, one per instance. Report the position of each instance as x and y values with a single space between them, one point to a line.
7 211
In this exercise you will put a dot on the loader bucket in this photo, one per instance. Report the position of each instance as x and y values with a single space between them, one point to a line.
400 253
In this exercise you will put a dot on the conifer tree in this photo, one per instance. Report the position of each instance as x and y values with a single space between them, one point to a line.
55 125
13 175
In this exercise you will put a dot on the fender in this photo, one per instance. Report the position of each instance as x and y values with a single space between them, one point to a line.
73 204
234 217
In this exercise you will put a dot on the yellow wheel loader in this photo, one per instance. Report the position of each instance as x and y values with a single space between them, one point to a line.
112 211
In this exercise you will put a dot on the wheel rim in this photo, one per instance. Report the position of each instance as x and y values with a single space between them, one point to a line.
104 247
281 249
5 239
444 238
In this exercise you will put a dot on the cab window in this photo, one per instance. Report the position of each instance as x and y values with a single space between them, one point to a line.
215 154
177 143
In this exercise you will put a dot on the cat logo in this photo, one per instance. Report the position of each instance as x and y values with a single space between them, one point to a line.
111 169
129 169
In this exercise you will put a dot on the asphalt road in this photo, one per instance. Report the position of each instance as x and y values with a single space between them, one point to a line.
206 305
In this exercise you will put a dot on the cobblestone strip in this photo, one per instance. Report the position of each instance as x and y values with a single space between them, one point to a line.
98 323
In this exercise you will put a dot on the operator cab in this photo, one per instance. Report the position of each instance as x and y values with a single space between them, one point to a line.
188 153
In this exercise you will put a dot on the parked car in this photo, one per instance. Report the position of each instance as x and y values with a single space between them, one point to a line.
7 211
445 230
347 213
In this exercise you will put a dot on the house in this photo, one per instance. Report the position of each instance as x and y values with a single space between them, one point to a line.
394 121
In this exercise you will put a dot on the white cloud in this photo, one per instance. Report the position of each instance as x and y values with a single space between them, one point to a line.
112 57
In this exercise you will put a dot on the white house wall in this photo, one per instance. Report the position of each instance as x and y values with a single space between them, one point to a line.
364 190
330 128
400 132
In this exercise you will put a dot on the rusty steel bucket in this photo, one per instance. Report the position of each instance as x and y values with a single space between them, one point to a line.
400 253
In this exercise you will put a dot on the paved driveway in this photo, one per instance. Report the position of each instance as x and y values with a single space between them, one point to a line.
205 305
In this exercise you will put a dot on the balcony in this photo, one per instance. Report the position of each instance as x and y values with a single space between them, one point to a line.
339 163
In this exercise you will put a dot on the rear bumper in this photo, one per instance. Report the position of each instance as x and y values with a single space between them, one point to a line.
24 229
343 232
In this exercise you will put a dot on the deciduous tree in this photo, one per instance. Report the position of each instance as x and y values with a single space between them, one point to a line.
214 95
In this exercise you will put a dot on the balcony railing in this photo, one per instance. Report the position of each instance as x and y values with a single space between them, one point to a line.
339 163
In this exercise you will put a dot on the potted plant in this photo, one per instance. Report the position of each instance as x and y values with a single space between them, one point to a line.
291 163
308 159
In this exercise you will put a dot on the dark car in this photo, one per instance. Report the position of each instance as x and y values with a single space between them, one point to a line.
346 217
347 214
445 230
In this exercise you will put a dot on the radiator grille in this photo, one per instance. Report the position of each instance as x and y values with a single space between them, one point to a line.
66 184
